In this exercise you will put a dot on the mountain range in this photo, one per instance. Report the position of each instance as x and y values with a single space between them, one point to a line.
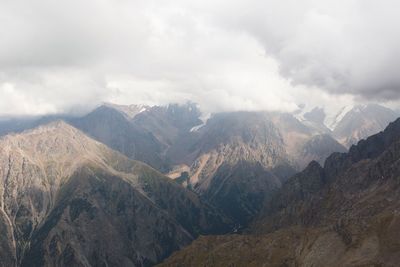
60 189
152 179
345 213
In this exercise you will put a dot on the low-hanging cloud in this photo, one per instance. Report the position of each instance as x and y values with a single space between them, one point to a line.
58 56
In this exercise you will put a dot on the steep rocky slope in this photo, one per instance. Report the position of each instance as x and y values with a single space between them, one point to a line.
276 140
111 127
318 148
241 157
361 122
345 176
169 123
233 137
129 111
314 119
166 136
67 200
140 132
343 214
174 140
241 189
232 162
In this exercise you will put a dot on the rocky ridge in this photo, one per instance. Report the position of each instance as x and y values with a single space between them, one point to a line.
342 214
59 189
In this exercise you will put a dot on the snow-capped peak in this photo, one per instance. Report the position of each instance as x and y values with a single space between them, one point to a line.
332 121
129 111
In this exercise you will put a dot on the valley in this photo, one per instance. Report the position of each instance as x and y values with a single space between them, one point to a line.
237 180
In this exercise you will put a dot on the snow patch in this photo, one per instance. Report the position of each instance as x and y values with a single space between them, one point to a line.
204 118
332 122
197 127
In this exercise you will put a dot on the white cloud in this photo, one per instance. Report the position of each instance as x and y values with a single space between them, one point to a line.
227 55
15 102
340 46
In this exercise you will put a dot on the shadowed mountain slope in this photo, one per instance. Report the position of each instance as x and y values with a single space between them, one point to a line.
343 214
67 200
112 128
241 157
168 123
361 122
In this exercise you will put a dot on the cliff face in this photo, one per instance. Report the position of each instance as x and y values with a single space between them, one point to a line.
233 137
114 129
318 148
241 190
242 157
342 214
236 161
67 200
169 123
361 122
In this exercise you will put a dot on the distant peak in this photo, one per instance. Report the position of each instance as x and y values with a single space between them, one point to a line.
52 128
332 122
58 124
129 111
317 114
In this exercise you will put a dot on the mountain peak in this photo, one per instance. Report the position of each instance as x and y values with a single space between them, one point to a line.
130 111
57 127
56 180
53 144
317 115
360 122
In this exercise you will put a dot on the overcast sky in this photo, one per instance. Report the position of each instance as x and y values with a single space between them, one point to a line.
58 56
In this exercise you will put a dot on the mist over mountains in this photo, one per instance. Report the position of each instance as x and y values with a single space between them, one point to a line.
152 179
199 133
344 213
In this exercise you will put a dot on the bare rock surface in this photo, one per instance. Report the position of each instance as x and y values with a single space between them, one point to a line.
67 200
343 214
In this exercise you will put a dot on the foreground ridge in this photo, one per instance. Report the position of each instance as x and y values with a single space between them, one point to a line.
343 214
67 200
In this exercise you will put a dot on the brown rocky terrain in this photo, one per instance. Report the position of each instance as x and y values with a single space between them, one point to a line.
319 148
361 122
113 128
219 153
343 214
169 123
67 200
242 157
